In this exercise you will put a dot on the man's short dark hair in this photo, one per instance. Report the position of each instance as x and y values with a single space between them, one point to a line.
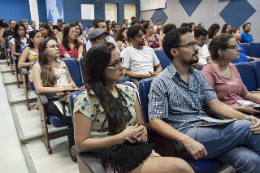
113 25
246 24
134 22
233 30
90 26
168 27
200 31
125 20
133 31
59 20
133 18
186 25
173 40
63 23
11 21
97 22
143 21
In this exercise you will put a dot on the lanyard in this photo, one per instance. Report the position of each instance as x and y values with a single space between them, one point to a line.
173 78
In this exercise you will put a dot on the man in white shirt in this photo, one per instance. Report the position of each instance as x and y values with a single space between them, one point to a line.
102 25
200 35
139 60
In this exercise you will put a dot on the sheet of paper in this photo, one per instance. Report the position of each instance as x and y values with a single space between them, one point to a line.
214 120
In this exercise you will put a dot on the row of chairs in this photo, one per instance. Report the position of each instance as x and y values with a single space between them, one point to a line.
251 49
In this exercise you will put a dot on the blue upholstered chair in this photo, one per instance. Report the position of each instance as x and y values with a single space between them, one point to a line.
254 49
87 161
164 60
8 50
247 74
167 147
256 67
246 48
74 69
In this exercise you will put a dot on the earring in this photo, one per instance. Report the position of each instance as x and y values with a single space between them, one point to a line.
222 62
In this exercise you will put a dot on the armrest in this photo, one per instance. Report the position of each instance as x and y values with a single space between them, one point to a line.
43 98
88 161
24 71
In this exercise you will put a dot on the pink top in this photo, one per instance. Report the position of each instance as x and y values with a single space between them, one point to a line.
228 90
72 53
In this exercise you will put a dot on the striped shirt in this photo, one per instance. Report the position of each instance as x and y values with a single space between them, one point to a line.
177 102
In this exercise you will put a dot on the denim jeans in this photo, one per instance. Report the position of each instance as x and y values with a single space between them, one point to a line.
233 144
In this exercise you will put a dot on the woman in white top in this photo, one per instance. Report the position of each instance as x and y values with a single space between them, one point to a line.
80 37
121 39
19 39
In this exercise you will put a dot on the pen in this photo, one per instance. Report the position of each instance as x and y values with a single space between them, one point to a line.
215 123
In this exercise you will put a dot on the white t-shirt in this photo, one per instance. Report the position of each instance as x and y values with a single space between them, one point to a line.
139 61
109 39
22 43
203 54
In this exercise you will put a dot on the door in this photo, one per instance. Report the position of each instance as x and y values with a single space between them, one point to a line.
130 11
111 11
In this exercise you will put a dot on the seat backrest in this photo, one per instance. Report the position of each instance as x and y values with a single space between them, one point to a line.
246 48
74 70
247 74
81 63
22 49
144 88
254 49
256 66
164 60
7 39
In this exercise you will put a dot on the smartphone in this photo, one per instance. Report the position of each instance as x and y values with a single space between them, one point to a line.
256 107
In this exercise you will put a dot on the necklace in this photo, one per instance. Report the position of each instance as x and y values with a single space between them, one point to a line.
178 83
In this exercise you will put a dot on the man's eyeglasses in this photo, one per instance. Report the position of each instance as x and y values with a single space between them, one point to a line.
54 46
116 64
190 44
233 46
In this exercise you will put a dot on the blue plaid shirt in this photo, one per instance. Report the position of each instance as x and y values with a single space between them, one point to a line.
177 102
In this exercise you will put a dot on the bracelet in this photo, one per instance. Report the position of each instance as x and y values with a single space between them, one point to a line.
246 117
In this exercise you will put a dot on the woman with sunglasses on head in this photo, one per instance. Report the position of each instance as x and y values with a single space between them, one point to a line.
108 120
223 76
70 46
51 76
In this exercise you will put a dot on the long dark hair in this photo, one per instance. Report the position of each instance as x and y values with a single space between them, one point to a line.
95 61
31 36
17 36
65 37
211 30
47 73
119 35
223 30
47 27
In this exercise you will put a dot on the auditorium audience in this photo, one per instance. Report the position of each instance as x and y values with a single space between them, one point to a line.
226 27
50 25
125 23
57 28
121 39
159 23
176 98
223 76
97 36
33 23
114 27
235 32
18 40
246 37
200 25
139 60
186 25
151 39
168 27
213 30
107 117
80 37
51 76
132 19
109 27
159 32
200 36
134 23
192 26
46 30
9 32
143 22
70 46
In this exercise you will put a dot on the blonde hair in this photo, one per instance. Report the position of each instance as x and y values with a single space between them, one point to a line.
158 29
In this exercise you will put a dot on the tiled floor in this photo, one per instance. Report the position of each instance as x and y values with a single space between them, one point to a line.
14 160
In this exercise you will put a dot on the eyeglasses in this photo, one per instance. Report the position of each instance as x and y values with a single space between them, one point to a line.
117 64
190 44
102 37
54 46
233 46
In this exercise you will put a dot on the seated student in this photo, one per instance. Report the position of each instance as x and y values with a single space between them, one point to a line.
200 36
139 60
121 39
159 23
246 37
70 46
226 27
135 22
114 27
168 27
125 23
212 31
97 36
107 117
101 25
18 40
151 39
159 32
176 98
57 28
59 35
109 27
80 37
9 32
235 32
30 53
33 25
51 76
46 31
223 76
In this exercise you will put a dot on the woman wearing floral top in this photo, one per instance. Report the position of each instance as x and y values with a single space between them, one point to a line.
108 121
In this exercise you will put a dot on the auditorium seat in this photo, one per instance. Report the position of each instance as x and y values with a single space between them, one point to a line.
164 60
254 49
167 147
7 39
74 69
256 66
247 74
246 48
